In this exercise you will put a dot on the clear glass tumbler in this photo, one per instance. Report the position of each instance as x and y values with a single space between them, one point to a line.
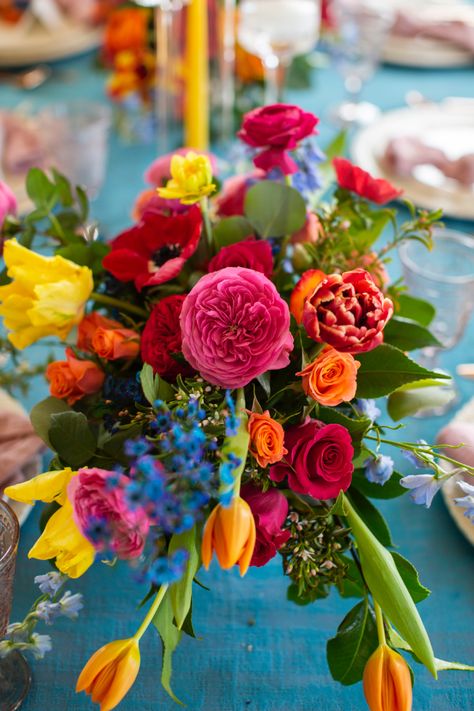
14 671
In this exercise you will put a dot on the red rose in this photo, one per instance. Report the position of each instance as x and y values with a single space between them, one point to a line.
319 459
348 311
269 510
351 177
161 338
155 249
230 200
277 129
251 253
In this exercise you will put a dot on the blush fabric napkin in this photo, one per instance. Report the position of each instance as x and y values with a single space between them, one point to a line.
404 153
19 445
412 24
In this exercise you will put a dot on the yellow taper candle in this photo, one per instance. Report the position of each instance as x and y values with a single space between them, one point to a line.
196 121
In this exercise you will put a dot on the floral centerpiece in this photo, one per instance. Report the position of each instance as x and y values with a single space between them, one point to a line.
217 394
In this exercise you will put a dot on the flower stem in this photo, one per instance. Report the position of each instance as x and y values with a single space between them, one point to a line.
151 613
204 203
414 448
379 621
105 300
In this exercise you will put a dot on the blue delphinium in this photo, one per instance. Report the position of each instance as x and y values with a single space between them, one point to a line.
466 501
423 487
367 408
379 469
166 570
308 178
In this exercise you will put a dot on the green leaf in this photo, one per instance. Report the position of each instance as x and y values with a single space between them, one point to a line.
357 426
237 444
410 577
231 230
170 636
385 369
86 255
41 414
39 188
356 640
427 394
72 438
274 210
442 665
83 202
390 490
366 237
264 381
187 627
408 335
351 584
63 188
154 387
416 309
181 592
371 516
388 589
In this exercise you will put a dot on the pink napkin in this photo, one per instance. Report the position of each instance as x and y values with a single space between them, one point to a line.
458 32
459 433
23 146
18 442
403 154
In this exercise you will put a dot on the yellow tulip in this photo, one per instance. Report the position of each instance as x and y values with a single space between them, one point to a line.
191 179
110 672
61 538
230 532
46 296
387 681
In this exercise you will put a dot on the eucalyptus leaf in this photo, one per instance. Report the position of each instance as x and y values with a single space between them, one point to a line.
181 592
356 640
170 637
72 438
274 210
231 230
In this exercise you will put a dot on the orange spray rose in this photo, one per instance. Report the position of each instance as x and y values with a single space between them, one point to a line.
71 379
114 343
89 326
331 378
266 438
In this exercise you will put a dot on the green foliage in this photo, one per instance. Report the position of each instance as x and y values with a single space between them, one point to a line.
356 640
72 438
170 636
274 210
154 388
181 592
409 575
408 335
424 394
412 307
231 230
41 414
86 254
390 490
357 426
371 516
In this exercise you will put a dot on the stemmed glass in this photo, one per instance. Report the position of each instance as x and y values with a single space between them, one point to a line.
362 27
445 277
276 31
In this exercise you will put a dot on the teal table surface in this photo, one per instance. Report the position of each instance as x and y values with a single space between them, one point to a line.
255 650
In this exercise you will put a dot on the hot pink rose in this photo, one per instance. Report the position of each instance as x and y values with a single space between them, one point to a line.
277 129
235 326
269 510
319 459
230 200
8 202
95 500
251 253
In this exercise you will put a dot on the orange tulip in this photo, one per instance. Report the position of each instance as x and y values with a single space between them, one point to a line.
230 532
266 438
110 672
387 681
331 378
304 288
114 343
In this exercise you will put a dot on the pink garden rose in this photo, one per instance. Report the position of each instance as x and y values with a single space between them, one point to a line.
250 253
8 202
235 326
319 459
94 500
269 510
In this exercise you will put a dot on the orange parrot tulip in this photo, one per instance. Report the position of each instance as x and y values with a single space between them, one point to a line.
387 681
230 532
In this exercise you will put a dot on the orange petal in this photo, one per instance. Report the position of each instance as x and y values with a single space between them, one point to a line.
304 288
98 661
231 532
246 556
206 546
126 672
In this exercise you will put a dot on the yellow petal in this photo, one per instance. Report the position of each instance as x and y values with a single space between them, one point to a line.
47 487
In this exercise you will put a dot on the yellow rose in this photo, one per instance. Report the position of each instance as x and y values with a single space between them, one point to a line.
46 297
191 179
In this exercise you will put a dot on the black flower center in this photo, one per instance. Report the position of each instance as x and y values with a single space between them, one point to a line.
162 255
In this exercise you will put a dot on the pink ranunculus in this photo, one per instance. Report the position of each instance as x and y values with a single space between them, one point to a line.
235 326
250 253
230 200
276 130
319 459
95 500
269 510
8 202
310 232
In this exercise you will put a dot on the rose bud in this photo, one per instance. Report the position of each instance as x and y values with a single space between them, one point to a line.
387 681
114 343
347 311
230 532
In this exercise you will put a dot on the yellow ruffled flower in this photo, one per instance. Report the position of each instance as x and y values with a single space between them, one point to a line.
46 297
61 538
110 672
191 179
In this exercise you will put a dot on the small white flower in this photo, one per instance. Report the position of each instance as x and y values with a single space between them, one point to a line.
466 501
423 487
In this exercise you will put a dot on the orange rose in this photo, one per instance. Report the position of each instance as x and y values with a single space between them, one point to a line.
304 288
331 378
114 343
89 326
71 379
266 439
248 67
126 29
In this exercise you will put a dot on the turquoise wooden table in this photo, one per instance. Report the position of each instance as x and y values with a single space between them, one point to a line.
256 650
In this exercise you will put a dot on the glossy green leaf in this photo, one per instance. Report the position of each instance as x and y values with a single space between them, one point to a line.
181 592
154 388
408 335
408 402
274 210
410 577
170 637
442 665
41 413
39 188
356 640
86 255
371 516
416 309
351 584
390 490
388 589
231 230
72 438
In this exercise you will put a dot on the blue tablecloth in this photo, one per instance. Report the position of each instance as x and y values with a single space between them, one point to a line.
256 650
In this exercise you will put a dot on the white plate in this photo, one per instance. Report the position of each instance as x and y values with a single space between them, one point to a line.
31 44
449 126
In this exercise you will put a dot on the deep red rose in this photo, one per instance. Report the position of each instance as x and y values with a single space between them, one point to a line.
161 338
319 459
347 311
251 253
277 129
156 248
230 200
351 177
269 510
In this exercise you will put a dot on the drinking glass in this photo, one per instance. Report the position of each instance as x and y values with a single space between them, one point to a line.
443 276
276 31
14 671
362 27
